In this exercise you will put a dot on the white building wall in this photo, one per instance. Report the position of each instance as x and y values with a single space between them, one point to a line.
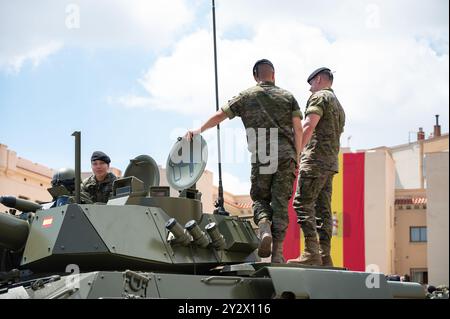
437 218
379 189
407 163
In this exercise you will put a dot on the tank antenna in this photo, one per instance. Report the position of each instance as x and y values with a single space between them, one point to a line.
77 135
220 201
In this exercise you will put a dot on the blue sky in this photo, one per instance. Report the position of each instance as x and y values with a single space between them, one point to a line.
133 75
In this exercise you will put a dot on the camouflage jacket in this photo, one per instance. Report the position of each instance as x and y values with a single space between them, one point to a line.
266 106
98 191
321 153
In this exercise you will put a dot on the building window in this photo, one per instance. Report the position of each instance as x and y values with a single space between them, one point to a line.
417 234
419 275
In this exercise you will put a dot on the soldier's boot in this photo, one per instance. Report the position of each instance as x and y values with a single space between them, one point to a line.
327 261
325 248
277 252
265 237
311 255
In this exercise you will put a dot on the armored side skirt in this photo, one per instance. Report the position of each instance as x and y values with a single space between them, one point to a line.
269 282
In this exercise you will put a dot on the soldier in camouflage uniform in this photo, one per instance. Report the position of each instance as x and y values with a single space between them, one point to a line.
322 128
265 108
99 185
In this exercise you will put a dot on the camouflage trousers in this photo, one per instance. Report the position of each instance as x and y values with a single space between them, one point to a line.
271 194
312 203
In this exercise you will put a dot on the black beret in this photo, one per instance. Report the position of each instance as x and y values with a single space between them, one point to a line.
317 72
262 61
98 155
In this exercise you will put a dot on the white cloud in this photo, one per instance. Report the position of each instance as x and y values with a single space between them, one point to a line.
130 101
343 18
232 183
27 26
184 81
390 57
387 77
35 55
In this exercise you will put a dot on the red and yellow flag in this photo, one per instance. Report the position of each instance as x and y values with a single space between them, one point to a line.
347 204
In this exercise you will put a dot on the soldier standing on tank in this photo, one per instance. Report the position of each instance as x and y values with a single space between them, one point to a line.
322 128
266 108
99 185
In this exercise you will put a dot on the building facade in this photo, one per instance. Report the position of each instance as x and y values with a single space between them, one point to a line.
421 209
403 227
411 234
22 178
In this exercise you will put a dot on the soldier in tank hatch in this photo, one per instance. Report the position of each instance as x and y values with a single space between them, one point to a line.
99 185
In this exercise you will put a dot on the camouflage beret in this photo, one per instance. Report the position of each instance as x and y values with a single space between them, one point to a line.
98 155
317 72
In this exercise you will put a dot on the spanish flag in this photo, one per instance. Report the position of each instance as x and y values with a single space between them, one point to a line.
347 204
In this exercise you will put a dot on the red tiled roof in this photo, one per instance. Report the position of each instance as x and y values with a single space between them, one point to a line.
411 201
239 205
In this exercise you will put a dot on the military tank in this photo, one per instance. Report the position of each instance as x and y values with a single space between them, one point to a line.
145 243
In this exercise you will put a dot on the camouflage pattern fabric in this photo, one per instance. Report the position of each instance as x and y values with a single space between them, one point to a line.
312 202
98 192
321 153
318 164
270 194
266 106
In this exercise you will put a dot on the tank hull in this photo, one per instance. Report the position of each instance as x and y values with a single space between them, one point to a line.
270 281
